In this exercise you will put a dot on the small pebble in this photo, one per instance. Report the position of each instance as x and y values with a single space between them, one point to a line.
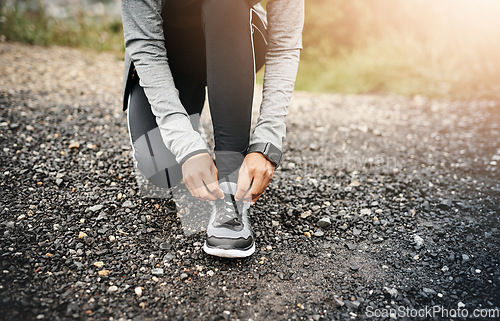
319 233
391 291
157 271
74 145
429 291
103 272
128 203
306 214
365 211
99 264
418 240
351 246
94 208
324 222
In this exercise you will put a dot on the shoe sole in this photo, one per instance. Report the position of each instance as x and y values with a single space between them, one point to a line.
233 253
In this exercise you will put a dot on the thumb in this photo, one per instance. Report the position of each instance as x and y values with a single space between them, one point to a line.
243 185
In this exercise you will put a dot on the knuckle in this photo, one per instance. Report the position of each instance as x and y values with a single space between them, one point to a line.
254 193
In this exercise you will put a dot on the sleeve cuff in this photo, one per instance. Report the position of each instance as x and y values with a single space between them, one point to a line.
198 151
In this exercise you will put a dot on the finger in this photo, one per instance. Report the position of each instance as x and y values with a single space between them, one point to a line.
210 188
212 185
207 193
255 198
200 191
211 182
189 185
214 190
244 183
255 192
247 197
259 184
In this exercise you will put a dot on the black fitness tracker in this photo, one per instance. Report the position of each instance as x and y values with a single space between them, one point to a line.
271 152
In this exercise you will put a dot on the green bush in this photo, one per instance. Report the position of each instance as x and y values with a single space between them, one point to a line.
445 48
31 25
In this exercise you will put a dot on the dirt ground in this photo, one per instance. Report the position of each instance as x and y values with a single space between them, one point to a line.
383 204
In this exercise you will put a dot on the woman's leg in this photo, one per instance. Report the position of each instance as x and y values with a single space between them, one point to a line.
186 54
155 162
230 79
153 159
221 46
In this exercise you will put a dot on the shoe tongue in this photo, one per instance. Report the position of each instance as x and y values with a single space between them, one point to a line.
228 187
231 188
228 198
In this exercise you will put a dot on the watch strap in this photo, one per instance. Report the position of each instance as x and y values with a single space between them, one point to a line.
271 152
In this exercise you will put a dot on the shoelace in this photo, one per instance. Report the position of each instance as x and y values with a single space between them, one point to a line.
227 211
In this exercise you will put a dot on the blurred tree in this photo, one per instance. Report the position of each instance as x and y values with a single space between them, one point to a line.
335 25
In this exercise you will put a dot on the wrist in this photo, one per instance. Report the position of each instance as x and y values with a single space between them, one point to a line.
192 154
272 153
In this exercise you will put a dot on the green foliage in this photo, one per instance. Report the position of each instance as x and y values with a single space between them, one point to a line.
445 48
23 23
334 25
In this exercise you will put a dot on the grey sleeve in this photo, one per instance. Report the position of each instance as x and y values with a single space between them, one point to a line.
285 21
145 43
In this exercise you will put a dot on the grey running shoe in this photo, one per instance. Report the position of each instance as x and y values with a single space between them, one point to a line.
229 233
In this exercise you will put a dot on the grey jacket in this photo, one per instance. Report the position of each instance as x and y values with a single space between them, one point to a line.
145 50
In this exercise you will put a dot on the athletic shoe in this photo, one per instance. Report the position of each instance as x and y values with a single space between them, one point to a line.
229 233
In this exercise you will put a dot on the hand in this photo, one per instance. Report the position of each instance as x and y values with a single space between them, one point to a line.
200 177
255 174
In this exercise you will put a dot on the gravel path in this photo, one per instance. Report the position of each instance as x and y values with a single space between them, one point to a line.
382 202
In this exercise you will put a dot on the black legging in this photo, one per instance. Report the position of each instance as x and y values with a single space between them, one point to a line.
209 43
